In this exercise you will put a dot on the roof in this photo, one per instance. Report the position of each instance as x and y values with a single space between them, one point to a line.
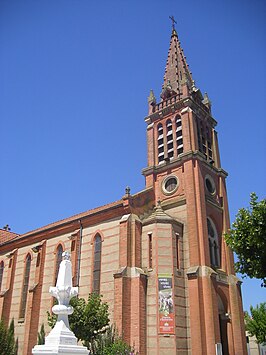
6 236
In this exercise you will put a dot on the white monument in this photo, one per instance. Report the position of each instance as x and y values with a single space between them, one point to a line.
61 339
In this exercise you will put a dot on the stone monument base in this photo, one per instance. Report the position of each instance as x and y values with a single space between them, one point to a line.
60 341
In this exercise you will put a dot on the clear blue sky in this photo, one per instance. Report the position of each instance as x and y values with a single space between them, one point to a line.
75 76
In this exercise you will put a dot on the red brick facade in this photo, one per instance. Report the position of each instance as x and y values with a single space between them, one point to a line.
173 228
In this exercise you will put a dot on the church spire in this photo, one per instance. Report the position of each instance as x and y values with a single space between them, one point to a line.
177 77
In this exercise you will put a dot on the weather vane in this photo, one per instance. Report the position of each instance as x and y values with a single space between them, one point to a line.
173 21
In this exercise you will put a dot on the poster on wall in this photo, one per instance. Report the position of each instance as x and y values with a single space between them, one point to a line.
166 305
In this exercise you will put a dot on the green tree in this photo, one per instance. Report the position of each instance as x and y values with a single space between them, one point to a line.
110 343
87 319
247 239
41 335
8 344
256 323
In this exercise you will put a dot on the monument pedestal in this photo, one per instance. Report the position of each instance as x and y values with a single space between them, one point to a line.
60 341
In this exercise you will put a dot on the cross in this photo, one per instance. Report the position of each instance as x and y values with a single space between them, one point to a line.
173 21
6 228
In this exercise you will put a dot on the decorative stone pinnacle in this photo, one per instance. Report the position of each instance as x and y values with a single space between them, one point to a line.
127 190
151 98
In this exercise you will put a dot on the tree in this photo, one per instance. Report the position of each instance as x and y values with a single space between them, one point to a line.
88 318
8 344
41 335
110 343
247 239
256 324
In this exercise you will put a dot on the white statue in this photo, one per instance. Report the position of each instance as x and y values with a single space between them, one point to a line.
61 339
63 291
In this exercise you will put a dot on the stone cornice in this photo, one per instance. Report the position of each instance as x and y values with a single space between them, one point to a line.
213 203
179 161
65 226
169 106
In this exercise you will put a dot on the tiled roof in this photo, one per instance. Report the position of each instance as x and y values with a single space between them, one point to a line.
6 236
66 220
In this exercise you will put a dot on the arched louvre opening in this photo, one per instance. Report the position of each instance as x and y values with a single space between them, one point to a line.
160 143
209 144
179 135
169 139
25 287
97 250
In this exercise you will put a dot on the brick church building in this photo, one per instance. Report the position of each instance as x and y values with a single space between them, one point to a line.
158 257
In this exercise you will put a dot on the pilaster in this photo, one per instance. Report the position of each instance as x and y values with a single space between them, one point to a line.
6 294
34 301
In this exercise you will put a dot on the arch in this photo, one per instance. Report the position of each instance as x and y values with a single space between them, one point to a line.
94 235
59 252
222 299
169 139
214 248
97 256
179 135
25 286
2 266
223 321
160 143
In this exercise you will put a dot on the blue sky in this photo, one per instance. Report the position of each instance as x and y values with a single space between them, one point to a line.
75 76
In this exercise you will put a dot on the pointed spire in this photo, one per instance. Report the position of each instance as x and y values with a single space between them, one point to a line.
206 101
177 78
151 101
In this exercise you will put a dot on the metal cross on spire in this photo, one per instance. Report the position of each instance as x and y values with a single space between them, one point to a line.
173 21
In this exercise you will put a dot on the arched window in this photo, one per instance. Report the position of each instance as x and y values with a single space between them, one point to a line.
1 273
59 252
25 287
179 135
169 139
97 263
160 143
213 243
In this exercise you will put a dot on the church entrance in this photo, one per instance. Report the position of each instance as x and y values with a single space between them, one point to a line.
223 322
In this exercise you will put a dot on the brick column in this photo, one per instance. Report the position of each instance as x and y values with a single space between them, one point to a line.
130 286
138 313
7 293
198 344
237 317
212 331
34 301
150 145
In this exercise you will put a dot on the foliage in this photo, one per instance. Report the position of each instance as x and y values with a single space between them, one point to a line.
41 336
8 344
256 324
247 239
110 343
87 319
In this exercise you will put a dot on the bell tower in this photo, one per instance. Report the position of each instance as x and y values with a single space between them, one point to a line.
184 170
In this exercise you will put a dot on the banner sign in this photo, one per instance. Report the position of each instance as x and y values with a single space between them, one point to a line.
166 305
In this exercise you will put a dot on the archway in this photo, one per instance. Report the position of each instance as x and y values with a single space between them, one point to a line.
223 322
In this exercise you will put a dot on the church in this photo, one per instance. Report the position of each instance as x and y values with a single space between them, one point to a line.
158 257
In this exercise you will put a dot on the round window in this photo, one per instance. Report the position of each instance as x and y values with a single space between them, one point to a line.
170 184
210 185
